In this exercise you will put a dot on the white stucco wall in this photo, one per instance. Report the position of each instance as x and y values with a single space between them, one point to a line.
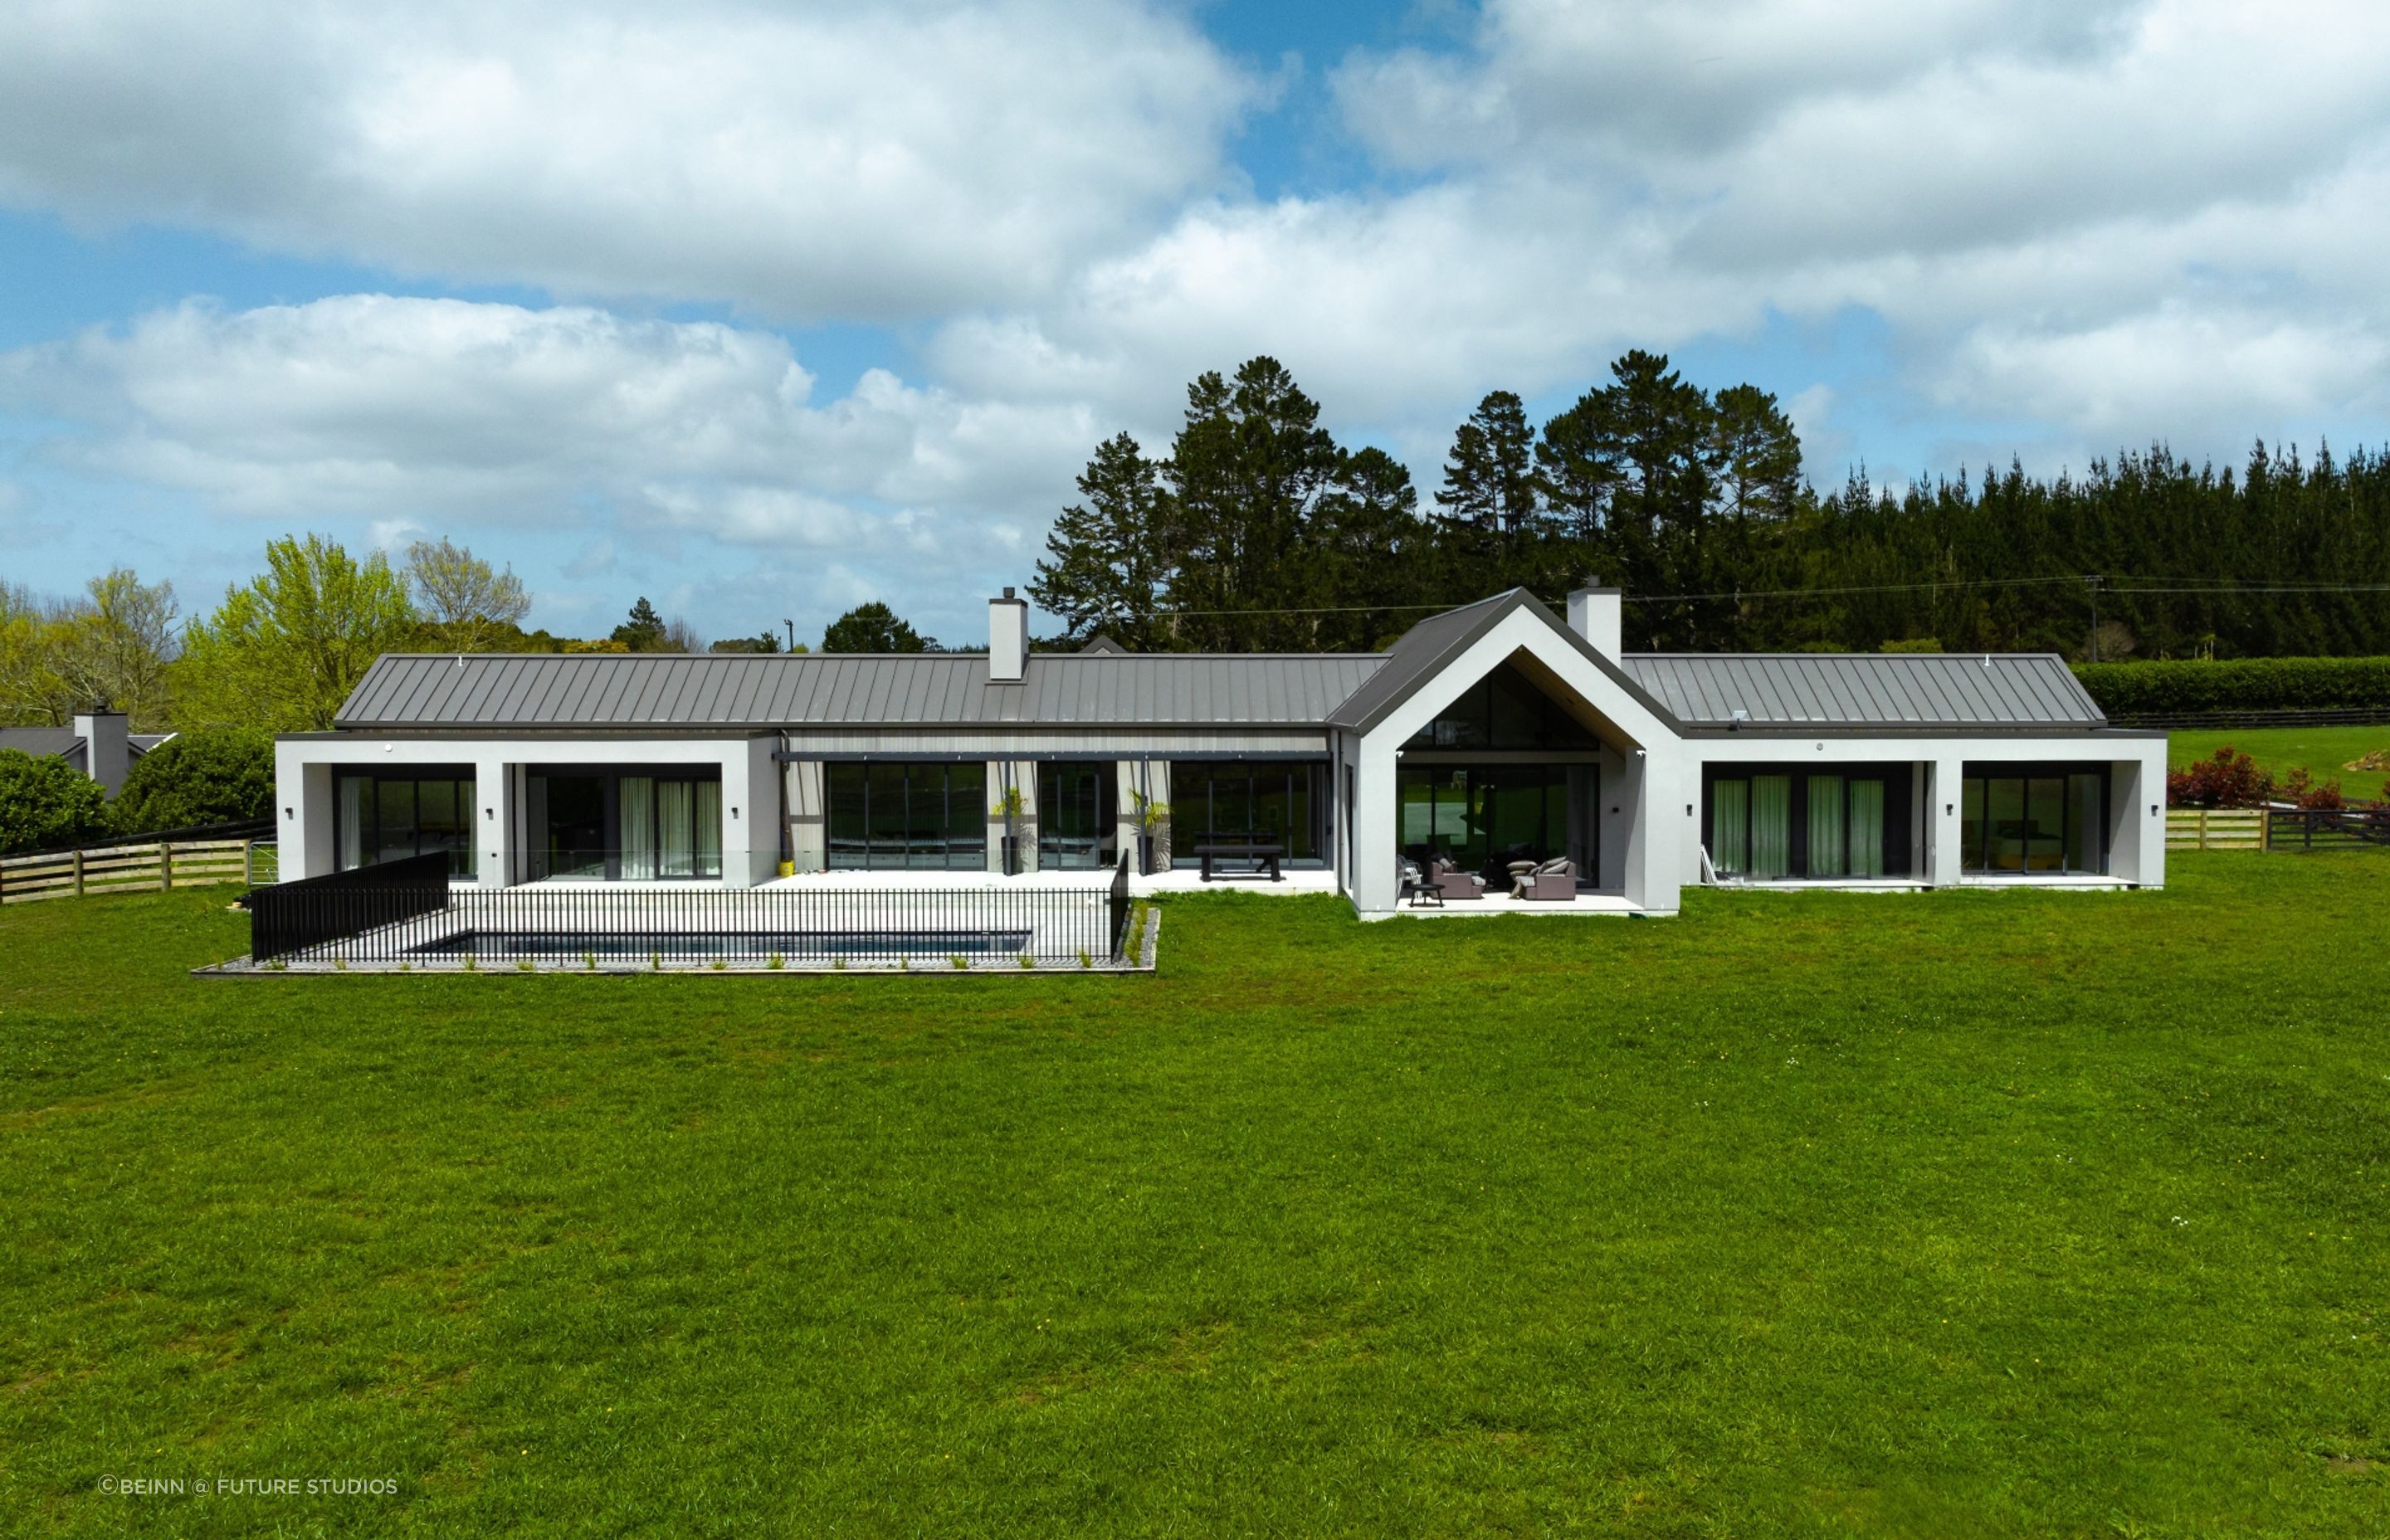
2137 785
1643 865
303 768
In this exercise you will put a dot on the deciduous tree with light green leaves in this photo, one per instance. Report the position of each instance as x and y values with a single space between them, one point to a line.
469 606
282 653
111 647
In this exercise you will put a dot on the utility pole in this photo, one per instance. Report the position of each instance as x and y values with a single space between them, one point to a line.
793 634
2095 579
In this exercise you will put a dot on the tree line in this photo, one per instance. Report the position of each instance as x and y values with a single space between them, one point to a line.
283 650
1257 530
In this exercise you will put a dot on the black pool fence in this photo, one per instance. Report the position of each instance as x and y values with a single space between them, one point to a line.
406 913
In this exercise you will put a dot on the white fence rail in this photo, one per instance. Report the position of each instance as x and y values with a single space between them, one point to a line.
136 868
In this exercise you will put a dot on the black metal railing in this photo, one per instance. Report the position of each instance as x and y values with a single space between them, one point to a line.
293 917
656 926
2327 828
1118 907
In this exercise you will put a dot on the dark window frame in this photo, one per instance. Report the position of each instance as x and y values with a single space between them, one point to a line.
609 778
463 857
1976 776
1470 721
1557 784
1899 853
1313 777
960 848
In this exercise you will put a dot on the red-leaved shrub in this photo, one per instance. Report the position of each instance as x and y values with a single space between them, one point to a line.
2300 787
2228 779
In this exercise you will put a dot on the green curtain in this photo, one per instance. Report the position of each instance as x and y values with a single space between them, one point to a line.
637 818
675 828
708 843
1828 844
1867 827
1729 827
1771 826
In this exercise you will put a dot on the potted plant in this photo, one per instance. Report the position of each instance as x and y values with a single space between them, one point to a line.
1011 808
1152 822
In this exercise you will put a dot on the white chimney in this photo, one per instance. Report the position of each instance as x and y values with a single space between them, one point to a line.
106 757
1596 614
1007 639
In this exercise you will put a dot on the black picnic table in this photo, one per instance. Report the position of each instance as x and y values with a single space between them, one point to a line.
1250 847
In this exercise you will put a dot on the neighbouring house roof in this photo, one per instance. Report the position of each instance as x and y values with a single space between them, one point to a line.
141 743
63 741
1926 690
764 691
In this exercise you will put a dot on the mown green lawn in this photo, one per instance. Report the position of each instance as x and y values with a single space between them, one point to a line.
2322 750
1944 1215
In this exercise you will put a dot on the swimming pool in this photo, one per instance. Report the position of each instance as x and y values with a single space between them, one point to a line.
793 944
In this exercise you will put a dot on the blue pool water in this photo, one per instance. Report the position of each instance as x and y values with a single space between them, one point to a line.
738 944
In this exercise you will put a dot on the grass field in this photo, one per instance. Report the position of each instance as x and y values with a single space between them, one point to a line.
1954 1215
2281 750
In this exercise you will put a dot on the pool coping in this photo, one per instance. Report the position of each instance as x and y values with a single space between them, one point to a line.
996 966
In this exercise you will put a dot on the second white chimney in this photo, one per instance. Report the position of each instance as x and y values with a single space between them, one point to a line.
1007 639
1598 615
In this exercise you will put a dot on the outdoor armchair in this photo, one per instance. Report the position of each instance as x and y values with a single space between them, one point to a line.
1553 881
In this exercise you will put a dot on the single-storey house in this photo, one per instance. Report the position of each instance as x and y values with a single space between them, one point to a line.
96 745
1487 738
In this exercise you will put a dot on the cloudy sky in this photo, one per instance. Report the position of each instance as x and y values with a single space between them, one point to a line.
763 309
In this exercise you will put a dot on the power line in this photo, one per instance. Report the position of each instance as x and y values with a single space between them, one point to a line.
2105 584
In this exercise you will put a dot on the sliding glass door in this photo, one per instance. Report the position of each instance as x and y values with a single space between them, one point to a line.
1077 827
1763 824
2022 819
1485 816
1282 802
384 815
907 816
633 823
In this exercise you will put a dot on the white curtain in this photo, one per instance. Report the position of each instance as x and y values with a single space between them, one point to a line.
1866 828
357 811
636 819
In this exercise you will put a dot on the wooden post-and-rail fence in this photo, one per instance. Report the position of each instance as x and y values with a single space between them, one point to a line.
2216 829
151 868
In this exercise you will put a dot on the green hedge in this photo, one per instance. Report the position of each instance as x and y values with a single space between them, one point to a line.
2238 684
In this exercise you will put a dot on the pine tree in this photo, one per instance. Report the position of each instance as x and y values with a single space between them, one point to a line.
1105 568
643 631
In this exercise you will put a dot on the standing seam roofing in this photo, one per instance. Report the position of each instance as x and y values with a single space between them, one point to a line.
1871 689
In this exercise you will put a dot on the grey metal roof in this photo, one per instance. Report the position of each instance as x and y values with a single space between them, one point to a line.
747 690
64 742
1421 653
1874 689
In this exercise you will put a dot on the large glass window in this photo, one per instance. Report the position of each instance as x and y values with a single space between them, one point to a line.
2033 818
1774 825
1505 710
1285 801
381 816
1485 816
646 824
1077 827
900 815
